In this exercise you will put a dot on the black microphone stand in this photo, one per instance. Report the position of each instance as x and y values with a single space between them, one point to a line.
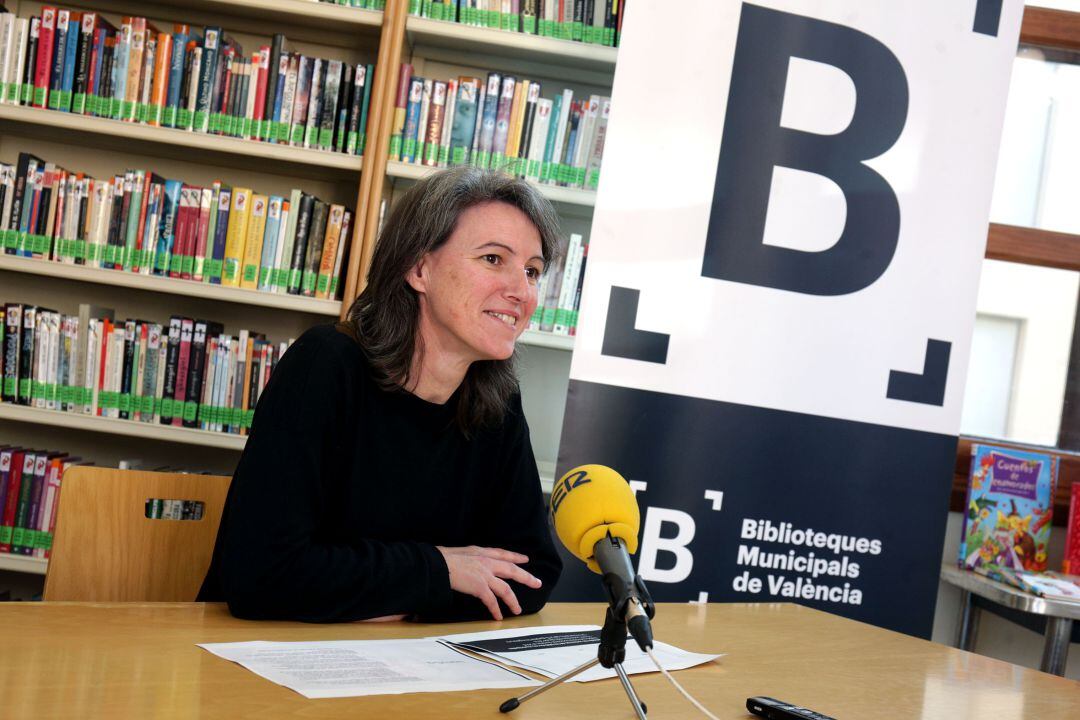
611 653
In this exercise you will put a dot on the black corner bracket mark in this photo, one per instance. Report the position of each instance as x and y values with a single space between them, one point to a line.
929 387
622 338
987 17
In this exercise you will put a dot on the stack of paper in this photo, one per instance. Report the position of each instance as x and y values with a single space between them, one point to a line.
348 668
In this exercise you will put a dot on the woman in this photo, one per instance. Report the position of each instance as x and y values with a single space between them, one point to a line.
388 472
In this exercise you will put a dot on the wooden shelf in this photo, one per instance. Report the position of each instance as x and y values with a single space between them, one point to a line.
183 145
591 63
320 15
23 563
567 196
547 340
153 283
113 426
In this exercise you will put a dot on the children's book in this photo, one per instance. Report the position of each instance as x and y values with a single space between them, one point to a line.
1071 563
1008 510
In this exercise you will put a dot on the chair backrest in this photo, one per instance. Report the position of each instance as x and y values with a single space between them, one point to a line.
106 548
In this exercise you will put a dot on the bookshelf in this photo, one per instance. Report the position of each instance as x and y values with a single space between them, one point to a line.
23 564
102 147
562 195
578 58
128 428
115 136
153 283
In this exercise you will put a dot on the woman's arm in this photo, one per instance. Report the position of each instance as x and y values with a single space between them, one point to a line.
517 522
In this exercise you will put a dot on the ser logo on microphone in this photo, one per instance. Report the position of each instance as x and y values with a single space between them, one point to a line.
568 483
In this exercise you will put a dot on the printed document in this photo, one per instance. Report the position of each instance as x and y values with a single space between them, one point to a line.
553 650
349 668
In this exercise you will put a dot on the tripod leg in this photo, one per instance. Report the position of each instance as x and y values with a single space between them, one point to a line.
512 703
639 707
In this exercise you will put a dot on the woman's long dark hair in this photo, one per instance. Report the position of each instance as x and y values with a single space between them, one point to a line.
385 318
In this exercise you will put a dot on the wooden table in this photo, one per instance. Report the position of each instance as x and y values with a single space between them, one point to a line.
86 660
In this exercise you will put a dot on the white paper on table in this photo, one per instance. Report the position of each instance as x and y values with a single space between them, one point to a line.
349 668
555 649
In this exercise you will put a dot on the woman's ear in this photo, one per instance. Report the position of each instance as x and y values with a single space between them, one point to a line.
417 275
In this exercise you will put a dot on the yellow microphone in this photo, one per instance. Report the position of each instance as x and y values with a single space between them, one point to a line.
596 517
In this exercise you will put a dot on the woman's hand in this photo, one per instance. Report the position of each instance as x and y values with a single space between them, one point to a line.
479 571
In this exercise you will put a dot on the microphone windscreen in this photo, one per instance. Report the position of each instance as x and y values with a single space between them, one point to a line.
587 504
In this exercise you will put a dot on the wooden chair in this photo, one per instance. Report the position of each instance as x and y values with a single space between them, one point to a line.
106 549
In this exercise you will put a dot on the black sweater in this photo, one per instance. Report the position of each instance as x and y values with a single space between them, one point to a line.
344 489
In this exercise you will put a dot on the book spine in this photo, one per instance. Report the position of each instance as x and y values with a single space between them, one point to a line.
236 235
315 103
270 242
272 65
195 375
329 109
434 129
22 507
43 66
12 344
316 238
16 463
221 228
56 74
280 277
183 363
303 226
252 256
330 251
207 71
305 68
352 133
172 357
397 128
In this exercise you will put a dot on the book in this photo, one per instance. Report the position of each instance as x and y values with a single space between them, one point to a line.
253 243
1071 562
1009 506
237 232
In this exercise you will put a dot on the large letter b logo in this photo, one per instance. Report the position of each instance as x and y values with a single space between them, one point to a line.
754 143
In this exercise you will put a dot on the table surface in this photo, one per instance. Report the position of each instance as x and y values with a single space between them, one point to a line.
1008 595
129 660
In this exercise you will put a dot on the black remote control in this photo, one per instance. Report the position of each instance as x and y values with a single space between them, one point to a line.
773 709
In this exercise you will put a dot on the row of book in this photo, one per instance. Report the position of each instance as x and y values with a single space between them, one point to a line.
189 373
502 123
559 293
29 495
141 222
592 21
362 4
79 62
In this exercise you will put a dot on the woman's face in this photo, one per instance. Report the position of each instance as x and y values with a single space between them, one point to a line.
478 289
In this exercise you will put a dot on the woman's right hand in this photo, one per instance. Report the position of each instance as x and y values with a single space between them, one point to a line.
482 573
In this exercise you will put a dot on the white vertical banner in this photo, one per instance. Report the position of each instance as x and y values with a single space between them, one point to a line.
781 291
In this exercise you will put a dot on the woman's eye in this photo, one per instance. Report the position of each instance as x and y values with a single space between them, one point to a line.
532 273
492 258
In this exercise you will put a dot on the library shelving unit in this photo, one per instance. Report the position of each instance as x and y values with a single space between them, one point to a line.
103 147
23 564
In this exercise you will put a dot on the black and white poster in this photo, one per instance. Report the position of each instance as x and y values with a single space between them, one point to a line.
781 289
